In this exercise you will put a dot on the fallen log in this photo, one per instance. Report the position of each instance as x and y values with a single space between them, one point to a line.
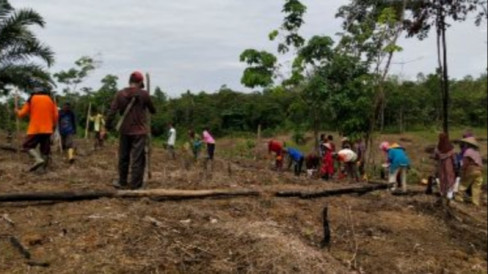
8 148
157 194
331 192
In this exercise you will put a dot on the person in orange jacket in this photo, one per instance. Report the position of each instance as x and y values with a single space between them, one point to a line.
43 117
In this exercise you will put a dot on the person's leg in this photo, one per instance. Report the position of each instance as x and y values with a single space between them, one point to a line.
45 148
403 175
30 145
124 159
138 156
392 179
172 152
211 151
300 166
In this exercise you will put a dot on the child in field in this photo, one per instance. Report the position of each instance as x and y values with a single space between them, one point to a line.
98 126
210 141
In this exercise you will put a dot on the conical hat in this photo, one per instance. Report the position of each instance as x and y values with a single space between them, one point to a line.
470 140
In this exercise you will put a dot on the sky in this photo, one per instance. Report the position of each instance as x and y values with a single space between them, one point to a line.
195 44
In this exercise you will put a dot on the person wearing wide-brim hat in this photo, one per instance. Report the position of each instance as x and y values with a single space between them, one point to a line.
471 172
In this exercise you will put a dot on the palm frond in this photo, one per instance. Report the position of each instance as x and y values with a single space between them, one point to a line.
20 75
23 52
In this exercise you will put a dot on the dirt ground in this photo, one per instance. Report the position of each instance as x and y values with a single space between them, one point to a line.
372 233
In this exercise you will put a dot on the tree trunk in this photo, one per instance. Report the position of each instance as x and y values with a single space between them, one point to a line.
445 78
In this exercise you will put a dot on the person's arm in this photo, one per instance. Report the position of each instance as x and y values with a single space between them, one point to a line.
24 111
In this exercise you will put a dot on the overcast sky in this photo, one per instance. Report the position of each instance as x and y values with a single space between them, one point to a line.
195 44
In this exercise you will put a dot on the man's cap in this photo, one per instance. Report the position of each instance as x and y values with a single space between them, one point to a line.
137 77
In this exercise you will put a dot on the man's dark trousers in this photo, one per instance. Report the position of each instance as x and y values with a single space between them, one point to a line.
132 147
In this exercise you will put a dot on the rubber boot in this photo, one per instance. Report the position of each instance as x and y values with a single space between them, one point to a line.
71 155
476 190
39 161
43 168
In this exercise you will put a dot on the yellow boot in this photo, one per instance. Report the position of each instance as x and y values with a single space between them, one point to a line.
71 155
476 190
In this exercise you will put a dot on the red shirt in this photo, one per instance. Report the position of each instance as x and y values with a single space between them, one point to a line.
275 146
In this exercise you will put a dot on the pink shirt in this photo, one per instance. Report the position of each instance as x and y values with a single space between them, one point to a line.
207 138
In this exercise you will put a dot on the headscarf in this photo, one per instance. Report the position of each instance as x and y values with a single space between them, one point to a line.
444 145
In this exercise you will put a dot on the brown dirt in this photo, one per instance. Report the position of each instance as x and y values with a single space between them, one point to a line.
372 233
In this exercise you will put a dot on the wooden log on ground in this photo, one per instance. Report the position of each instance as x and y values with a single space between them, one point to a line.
332 192
8 148
157 194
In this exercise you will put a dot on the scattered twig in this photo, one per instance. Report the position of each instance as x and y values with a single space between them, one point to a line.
353 260
8 220
16 243
325 223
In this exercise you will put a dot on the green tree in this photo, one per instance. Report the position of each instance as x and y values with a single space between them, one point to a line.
435 13
261 68
19 45
72 77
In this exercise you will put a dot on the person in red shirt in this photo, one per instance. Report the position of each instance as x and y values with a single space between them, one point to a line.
277 148
43 117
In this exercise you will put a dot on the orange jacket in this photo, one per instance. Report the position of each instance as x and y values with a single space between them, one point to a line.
43 114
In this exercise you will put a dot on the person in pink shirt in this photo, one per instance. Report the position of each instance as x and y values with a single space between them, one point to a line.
210 141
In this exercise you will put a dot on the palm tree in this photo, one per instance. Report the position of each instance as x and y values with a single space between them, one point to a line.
18 47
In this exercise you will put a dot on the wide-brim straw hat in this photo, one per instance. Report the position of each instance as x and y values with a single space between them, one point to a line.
471 141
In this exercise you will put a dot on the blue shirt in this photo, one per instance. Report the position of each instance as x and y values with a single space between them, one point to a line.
397 158
294 153
67 124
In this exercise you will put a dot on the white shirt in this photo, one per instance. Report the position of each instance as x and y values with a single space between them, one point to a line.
172 136
347 155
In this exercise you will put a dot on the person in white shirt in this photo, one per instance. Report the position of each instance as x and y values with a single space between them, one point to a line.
348 159
172 140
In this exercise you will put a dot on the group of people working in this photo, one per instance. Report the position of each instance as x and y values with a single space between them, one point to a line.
459 175
347 162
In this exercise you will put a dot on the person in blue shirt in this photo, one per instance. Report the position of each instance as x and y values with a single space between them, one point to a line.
399 164
296 158
67 130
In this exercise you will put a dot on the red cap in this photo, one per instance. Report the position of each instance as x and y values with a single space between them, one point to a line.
136 77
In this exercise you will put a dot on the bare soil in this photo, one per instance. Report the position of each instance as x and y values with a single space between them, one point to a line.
372 233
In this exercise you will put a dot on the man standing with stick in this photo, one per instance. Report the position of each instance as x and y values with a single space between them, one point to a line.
43 115
131 103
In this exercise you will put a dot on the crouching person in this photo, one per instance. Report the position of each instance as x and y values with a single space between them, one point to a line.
296 158
471 172
348 159
277 148
312 162
43 117
398 166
